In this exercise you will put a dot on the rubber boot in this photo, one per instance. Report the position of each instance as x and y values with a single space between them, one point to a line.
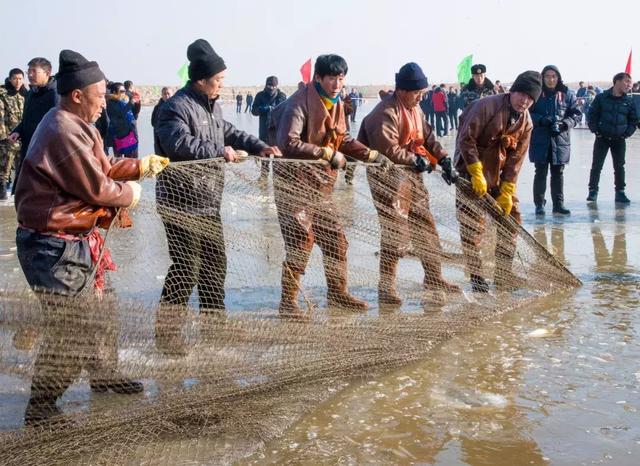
115 382
433 279
504 278
387 292
337 293
289 308
479 284
557 192
540 187
41 410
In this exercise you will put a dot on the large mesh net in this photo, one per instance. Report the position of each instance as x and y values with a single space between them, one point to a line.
256 325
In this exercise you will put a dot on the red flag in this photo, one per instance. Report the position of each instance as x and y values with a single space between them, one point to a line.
305 71
628 68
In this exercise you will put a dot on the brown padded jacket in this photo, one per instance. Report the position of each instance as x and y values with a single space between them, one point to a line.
67 182
486 135
301 131
380 130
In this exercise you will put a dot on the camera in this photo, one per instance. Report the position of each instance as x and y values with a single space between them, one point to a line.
555 126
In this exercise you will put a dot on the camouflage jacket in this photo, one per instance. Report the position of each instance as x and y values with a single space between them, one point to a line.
11 107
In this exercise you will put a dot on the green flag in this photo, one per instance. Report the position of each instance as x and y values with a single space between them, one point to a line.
183 74
464 69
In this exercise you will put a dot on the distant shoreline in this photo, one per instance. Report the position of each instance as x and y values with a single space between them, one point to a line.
150 94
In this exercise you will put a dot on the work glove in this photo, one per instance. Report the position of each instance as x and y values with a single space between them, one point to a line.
383 160
505 198
421 164
337 160
478 181
137 192
449 174
153 164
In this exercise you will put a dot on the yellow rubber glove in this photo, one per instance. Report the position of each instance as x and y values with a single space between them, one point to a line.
152 164
505 198
478 181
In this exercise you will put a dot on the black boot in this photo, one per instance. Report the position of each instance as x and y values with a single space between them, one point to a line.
557 190
621 198
117 384
593 196
3 191
40 410
479 284
540 187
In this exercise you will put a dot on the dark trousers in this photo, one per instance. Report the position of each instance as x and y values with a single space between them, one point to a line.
239 107
53 264
196 249
74 336
540 182
353 113
431 119
453 119
601 147
442 126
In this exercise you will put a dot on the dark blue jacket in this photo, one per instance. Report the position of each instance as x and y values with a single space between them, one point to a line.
426 104
453 102
561 105
191 127
262 106
612 117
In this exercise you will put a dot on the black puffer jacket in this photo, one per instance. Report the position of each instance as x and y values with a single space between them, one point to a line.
262 107
38 102
191 127
612 117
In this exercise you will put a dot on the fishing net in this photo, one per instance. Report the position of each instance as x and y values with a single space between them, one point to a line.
263 313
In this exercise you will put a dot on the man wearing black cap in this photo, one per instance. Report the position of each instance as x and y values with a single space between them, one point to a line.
190 127
491 145
263 104
397 128
311 126
478 86
66 189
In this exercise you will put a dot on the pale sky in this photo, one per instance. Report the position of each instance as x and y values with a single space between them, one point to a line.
146 41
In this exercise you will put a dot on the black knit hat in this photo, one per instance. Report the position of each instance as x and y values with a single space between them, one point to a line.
530 83
272 81
411 78
478 69
204 62
76 72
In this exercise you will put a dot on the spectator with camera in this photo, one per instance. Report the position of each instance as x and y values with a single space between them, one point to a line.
553 115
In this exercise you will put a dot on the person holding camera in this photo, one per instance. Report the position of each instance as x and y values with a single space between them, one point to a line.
553 115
